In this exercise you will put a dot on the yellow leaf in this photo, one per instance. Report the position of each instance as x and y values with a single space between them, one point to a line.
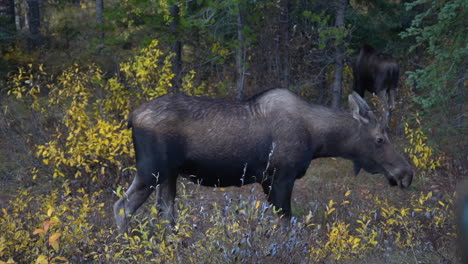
42 260
403 212
421 200
50 211
55 246
53 238
38 231
54 220
62 259
257 204
347 193
46 226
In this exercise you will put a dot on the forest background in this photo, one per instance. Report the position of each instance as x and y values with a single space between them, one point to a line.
72 70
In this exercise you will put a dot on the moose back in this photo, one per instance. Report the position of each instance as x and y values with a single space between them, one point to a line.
269 139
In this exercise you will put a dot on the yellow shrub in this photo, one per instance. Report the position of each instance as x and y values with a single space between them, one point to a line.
68 225
420 153
90 139
50 228
383 225
146 76
27 83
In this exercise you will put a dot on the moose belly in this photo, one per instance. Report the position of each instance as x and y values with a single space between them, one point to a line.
216 173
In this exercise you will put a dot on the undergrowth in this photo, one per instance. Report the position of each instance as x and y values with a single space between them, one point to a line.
72 226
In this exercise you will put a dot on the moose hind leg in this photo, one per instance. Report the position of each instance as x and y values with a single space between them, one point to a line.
166 196
136 195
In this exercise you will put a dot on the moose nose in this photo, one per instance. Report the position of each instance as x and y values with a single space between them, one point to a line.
405 179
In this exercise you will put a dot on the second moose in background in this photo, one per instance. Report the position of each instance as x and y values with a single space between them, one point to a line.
377 73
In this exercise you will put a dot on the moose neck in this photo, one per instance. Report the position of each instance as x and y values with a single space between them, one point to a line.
336 133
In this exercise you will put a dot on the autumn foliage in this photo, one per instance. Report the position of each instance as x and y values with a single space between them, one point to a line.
86 115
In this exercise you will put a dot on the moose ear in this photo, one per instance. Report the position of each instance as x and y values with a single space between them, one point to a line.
359 108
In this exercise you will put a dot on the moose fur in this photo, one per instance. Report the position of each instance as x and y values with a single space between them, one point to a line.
461 215
269 139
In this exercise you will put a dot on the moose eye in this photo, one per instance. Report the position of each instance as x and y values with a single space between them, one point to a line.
379 140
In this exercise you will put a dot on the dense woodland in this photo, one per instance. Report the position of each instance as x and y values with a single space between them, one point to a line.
71 71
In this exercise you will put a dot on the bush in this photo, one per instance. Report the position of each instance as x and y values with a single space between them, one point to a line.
88 138
56 227
73 226
420 152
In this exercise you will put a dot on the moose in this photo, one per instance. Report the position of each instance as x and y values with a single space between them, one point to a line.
269 139
461 215
377 73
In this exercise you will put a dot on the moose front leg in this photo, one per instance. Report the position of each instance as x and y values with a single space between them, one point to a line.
386 107
280 197
391 93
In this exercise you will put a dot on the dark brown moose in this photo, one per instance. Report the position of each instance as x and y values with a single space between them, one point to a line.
269 139
377 73
461 215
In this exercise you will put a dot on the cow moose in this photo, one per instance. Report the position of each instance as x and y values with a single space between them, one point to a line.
377 73
269 139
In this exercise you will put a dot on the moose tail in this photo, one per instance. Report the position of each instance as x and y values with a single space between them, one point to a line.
130 121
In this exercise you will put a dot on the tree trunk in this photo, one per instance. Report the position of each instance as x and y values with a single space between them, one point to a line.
99 10
7 11
18 16
99 17
177 49
240 56
339 56
284 43
11 12
322 84
34 22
